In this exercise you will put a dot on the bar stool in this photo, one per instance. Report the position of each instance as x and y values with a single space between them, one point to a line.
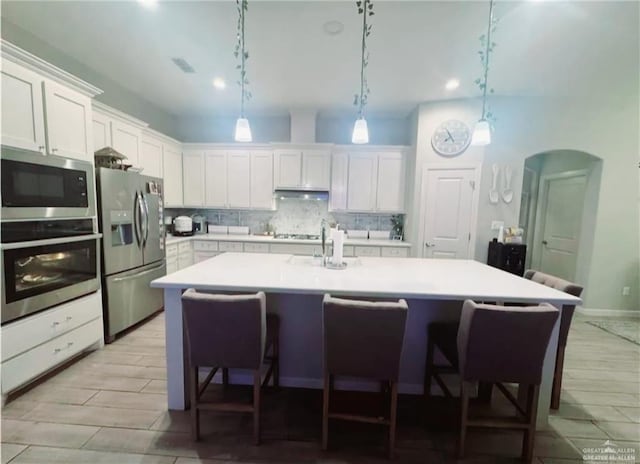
499 344
565 325
228 331
362 339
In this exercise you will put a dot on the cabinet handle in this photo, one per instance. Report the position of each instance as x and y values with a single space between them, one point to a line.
57 350
41 148
55 323
429 245
544 242
53 150
69 318
70 344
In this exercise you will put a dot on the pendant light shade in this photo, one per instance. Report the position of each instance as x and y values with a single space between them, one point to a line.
243 130
481 133
360 132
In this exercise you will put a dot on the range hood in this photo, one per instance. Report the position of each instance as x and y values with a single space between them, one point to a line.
301 194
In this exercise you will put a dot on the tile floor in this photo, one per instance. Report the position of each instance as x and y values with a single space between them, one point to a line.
110 407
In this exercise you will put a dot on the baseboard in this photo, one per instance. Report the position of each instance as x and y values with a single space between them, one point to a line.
594 312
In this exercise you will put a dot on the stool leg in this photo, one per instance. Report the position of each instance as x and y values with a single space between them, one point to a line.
195 413
557 379
392 418
225 377
276 361
325 411
528 443
485 389
256 407
464 412
428 368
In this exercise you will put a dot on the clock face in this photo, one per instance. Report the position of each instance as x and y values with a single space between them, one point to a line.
451 138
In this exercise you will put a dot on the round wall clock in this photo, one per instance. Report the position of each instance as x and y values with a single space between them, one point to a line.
451 138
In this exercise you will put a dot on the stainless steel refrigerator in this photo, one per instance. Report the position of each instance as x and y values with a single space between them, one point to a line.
130 219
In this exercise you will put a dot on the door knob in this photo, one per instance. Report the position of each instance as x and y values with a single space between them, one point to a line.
429 245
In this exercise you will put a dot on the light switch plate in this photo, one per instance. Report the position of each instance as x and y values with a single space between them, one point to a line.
495 225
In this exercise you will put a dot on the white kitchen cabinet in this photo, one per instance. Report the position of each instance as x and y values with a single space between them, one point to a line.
306 169
193 178
250 247
22 108
238 179
262 180
172 258
369 251
215 179
68 122
125 138
391 181
101 131
185 255
150 156
394 252
362 182
172 175
339 182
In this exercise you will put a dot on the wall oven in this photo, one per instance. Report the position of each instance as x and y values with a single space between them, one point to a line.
36 186
46 263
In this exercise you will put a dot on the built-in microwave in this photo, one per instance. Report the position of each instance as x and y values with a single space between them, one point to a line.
38 187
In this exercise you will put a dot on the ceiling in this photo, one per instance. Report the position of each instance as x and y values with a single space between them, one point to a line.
544 48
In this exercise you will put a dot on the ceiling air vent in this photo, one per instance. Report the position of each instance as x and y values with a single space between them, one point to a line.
183 65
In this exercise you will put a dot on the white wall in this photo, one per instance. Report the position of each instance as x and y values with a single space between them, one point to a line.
221 129
528 126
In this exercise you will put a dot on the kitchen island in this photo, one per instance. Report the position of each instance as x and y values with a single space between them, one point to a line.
295 285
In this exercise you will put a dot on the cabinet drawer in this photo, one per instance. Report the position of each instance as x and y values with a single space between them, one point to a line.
172 250
393 252
20 336
200 256
184 246
202 245
231 246
40 359
172 265
367 251
256 248
295 249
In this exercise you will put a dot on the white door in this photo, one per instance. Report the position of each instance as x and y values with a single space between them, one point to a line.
68 122
262 180
339 181
562 208
126 140
288 168
239 179
391 182
448 199
22 113
101 131
172 175
215 179
316 169
362 183
150 156
193 178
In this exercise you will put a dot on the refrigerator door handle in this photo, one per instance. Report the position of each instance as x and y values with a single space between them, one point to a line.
136 220
146 217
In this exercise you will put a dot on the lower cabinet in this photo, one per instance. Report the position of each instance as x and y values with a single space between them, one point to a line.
34 345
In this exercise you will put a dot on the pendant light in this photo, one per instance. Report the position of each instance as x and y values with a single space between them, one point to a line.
360 128
482 131
243 129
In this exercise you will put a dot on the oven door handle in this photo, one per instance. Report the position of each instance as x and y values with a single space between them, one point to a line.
50 241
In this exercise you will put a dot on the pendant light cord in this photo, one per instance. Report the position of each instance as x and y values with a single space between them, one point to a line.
364 46
486 63
242 72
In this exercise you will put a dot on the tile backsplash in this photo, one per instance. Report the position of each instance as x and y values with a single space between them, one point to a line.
292 216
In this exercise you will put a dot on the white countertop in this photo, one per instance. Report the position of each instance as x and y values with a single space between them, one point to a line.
444 279
171 240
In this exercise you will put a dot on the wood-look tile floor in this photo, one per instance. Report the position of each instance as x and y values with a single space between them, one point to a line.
110 407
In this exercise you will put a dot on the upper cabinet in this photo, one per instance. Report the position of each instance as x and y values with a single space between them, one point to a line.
125 138
172 174
68 122
238 179
364 181
302 169
101 131
44 108
150 159
22 108
193 178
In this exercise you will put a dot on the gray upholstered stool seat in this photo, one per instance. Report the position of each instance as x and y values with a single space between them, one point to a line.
499 344
363 339
228 331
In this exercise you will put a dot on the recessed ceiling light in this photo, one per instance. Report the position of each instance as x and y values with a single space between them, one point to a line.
333 27
452 84
219 83
148 3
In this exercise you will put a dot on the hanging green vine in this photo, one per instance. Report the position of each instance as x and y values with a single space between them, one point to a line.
487 46
365 8
242 55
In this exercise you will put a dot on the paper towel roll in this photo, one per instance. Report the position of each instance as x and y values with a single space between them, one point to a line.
338 244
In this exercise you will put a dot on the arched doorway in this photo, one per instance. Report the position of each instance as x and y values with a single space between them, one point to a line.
558 210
